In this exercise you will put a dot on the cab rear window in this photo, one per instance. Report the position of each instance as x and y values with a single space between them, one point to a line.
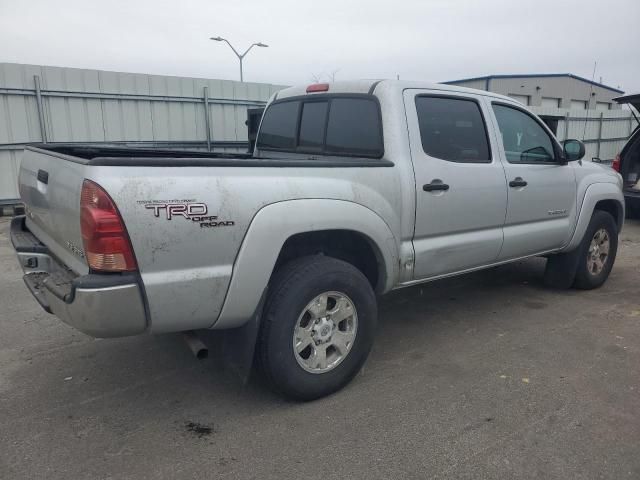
278 130
313 121
323 124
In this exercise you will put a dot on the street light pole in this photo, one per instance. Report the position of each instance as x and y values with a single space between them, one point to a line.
239 55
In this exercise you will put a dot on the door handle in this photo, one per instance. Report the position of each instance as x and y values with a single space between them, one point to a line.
434 187
518 182
43 176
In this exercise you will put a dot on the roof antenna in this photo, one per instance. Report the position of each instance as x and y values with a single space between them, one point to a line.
584 130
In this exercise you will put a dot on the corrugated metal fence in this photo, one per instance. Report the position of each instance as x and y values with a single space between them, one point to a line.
55 104
604 132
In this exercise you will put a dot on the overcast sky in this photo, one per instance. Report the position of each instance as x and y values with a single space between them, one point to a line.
432 40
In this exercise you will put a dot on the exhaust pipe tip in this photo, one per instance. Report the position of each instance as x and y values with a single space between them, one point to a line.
197 347
202 353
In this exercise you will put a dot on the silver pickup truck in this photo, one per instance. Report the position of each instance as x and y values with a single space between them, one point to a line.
354 189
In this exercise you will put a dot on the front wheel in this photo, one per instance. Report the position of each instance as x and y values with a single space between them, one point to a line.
597 251
318 327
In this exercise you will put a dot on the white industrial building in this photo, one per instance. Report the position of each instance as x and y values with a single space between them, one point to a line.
562 91
572 106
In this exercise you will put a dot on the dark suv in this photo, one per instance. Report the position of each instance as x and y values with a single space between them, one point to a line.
628 160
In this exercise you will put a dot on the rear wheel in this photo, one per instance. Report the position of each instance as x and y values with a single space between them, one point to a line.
318 327
597 251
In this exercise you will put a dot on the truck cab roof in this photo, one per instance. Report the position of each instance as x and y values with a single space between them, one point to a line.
380 86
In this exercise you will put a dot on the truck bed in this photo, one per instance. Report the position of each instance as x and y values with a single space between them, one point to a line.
94 154
185 262
144 157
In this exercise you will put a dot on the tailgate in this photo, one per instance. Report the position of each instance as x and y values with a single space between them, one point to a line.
50 185
633 99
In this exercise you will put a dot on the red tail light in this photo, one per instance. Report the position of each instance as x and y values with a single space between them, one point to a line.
616 163
106 242
318 87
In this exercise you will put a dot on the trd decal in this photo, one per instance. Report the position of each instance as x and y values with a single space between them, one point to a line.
188 210
194 211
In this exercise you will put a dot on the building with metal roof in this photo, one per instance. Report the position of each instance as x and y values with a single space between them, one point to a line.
571 106
552 90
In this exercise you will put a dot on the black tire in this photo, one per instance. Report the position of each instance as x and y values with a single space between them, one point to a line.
585 279
295 285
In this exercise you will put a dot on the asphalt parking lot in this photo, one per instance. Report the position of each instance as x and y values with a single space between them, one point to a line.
490 375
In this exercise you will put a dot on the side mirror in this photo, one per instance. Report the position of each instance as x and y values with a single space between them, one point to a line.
573 150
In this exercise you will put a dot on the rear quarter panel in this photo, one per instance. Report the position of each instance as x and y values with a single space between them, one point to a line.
185 267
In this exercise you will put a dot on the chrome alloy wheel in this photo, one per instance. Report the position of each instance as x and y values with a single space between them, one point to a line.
598 252
325 332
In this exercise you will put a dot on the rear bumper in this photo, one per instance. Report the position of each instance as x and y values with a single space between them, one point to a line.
100 305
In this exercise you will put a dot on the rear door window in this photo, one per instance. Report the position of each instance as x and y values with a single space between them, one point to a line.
453 129
278 128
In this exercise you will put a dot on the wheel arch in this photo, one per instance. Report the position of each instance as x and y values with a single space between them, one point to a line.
352 246
614 208
280 228
598 196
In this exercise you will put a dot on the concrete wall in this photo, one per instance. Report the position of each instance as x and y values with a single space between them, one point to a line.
114 108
